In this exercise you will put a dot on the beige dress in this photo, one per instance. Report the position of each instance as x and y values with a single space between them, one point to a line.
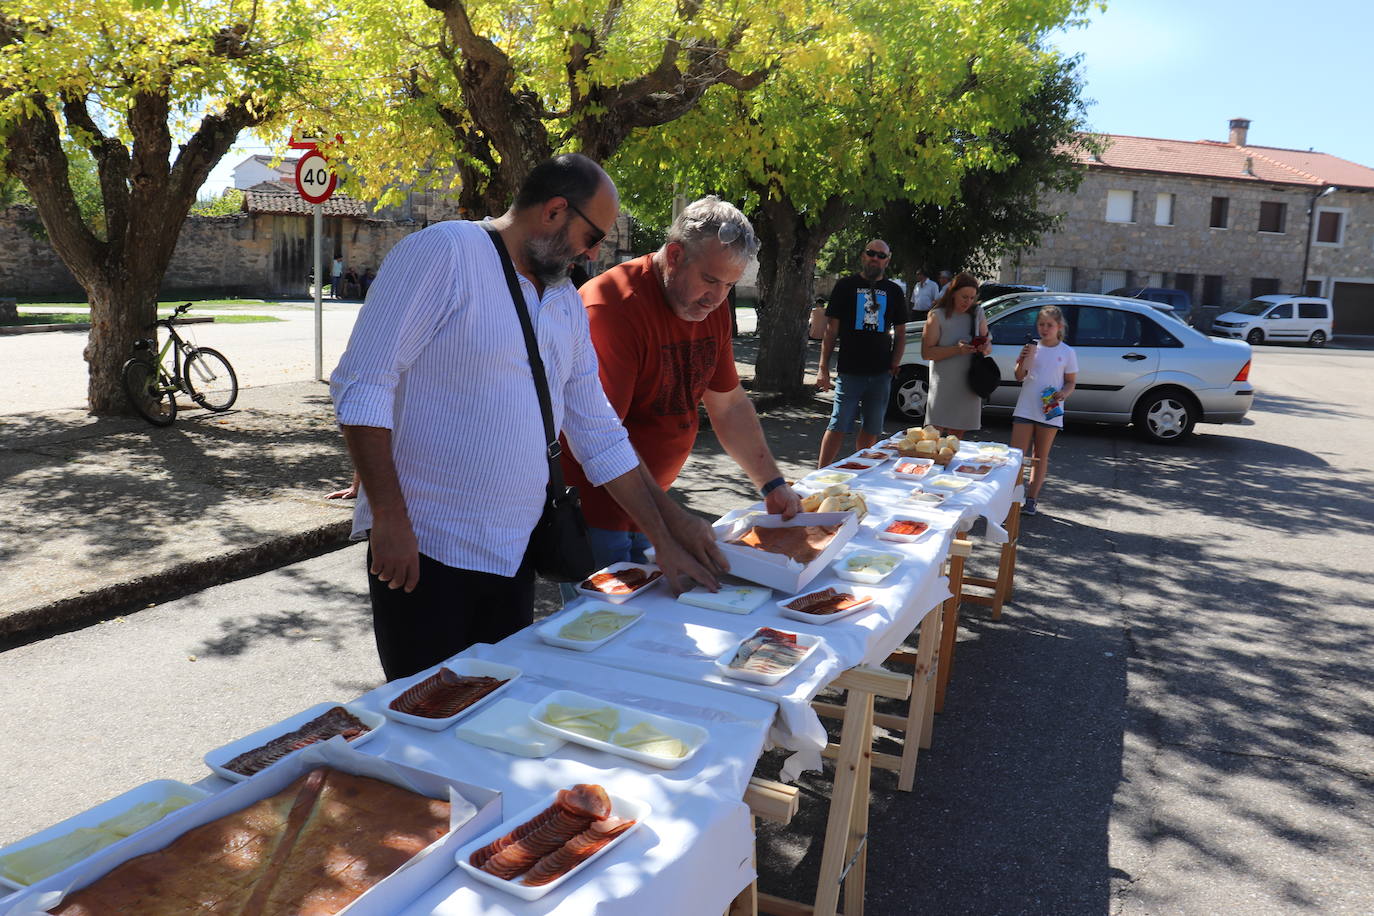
952 403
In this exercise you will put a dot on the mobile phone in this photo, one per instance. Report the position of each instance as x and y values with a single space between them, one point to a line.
979 340
1031 338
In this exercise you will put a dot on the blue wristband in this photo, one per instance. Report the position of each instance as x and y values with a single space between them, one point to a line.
771 485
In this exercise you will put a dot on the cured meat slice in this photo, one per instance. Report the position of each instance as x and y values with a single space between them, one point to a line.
336 721
576 851
802 543
521 855
622 582
825 601
444 694
768 651
906 527
582 804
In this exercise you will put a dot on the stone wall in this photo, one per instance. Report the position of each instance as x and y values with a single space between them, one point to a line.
1089 244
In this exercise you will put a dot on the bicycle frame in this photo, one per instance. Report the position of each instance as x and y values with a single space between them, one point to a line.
166 382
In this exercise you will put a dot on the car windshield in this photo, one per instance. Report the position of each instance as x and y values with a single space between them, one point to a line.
1170 313
1254 307
994 307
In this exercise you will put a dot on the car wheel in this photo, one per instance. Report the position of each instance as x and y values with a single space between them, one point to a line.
1166 416
1318 339
1255 337
910 391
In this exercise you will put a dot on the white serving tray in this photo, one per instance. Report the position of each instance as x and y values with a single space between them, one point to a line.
921 497
868 465
946 482
887 452
922 468
473 667
775 570
217 758
864 577
865 604
821 478
548 630
882 532
732 599
620 807
694 736
990 464
806 640
617 567
156 791
505 726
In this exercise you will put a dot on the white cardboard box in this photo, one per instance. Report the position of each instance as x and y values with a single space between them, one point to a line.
775 570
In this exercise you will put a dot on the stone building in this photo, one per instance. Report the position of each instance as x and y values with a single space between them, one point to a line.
1224 221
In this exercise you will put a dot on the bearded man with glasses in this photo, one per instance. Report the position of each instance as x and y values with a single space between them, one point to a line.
867 315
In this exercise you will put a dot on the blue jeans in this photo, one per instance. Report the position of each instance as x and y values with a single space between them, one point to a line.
610 547
853 393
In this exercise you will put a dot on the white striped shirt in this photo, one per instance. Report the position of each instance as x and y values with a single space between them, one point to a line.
437 356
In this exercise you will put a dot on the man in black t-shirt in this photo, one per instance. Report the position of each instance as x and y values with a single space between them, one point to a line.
868 315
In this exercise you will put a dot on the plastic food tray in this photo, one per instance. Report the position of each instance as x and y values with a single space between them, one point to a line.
911 468
826 477
617 567
217 758
804 640
156 791
973 464
620 807
694 736
868 464
865 604
548 630
472 667
947 482
865 577
505 726
886 535
732 599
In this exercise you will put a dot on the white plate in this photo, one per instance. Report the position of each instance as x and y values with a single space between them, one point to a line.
864 577
217 758
825 477
472 667
947 482
732 599
156 791
865 604
922 468
620 807
617 567
921 497
805 640
886 535
694 736
886 452
868 465
548 630
505 726
974 463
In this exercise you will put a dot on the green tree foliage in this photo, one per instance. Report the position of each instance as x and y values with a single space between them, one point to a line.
154 94
226 204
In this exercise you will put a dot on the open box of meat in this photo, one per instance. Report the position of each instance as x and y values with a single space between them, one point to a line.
315 833
782 570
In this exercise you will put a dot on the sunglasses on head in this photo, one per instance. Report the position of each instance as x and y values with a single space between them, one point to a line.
880 255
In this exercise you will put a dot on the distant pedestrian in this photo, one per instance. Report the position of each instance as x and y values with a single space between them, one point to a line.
945 277
1047 372
351 286
336 277
924 293
368 277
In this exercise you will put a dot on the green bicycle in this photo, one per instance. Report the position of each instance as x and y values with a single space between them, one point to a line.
201 372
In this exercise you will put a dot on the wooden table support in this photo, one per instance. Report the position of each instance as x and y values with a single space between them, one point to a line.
844 855
772 801
1003 584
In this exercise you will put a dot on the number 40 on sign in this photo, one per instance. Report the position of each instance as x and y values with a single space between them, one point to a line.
315 180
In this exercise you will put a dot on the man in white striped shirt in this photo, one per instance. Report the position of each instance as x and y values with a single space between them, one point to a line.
439 410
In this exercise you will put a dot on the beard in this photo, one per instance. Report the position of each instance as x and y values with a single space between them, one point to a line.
870 272
550 257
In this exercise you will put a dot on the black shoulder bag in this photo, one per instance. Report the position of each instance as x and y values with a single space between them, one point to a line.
559 544
983 374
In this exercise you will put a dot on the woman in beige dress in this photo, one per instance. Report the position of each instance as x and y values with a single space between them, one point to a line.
956 328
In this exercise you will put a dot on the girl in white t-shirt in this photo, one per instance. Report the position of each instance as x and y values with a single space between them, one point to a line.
1046 371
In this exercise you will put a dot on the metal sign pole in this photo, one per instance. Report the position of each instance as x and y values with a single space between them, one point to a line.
319 292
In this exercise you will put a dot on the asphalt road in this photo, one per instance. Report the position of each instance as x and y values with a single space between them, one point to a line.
1173 715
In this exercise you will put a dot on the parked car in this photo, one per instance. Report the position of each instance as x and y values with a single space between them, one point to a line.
1179 300
1137 364
1305 319
993 290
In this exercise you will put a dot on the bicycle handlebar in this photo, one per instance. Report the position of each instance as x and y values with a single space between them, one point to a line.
180 309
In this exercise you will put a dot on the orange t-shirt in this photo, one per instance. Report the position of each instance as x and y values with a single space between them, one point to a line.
655 367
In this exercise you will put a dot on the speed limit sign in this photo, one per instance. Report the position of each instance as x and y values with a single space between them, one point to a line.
314 178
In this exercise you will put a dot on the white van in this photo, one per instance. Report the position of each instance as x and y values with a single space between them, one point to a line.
1304 319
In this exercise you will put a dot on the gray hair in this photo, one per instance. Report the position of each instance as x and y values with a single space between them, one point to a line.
713 218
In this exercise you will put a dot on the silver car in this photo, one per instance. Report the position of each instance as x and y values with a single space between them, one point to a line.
1136 364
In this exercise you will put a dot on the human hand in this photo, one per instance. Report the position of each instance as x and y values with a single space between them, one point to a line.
348 492
395 553
683 567
1025 352
782 501
822 380
896 368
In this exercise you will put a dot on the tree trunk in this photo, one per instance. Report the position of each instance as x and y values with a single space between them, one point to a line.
787 289
120 314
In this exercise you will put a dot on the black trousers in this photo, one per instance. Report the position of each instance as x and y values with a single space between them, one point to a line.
449 610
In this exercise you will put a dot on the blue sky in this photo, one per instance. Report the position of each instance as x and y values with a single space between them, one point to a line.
1302 72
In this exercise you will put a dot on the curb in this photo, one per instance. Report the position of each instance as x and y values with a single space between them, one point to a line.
125 597
11 329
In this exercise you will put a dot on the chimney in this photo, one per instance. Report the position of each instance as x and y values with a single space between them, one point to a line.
1239 128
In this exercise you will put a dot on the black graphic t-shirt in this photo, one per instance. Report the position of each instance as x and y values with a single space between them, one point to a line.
866 312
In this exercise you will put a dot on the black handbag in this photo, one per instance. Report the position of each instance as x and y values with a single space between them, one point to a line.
983 374
559 545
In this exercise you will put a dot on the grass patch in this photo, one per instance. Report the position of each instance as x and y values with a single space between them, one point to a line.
51 318
243 319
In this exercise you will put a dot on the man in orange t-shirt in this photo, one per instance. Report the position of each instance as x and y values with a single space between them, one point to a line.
663 345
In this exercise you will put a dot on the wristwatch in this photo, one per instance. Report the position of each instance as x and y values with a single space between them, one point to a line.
771 485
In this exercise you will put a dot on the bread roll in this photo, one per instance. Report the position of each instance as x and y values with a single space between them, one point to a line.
908 449
930 432
926 449
846 502
944 456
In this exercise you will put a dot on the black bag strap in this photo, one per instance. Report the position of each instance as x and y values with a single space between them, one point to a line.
541 383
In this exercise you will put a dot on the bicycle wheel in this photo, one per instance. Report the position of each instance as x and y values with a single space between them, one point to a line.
148 395
210 380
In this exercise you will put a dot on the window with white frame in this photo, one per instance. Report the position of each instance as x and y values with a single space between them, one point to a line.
1164 209
1120 206
1112 279
1330 226
1059 279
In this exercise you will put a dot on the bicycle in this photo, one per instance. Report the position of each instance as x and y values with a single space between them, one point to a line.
201 372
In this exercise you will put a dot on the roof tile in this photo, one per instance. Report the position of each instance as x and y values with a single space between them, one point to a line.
1213 159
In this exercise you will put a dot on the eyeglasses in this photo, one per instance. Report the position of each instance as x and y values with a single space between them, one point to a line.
880 255
598 236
